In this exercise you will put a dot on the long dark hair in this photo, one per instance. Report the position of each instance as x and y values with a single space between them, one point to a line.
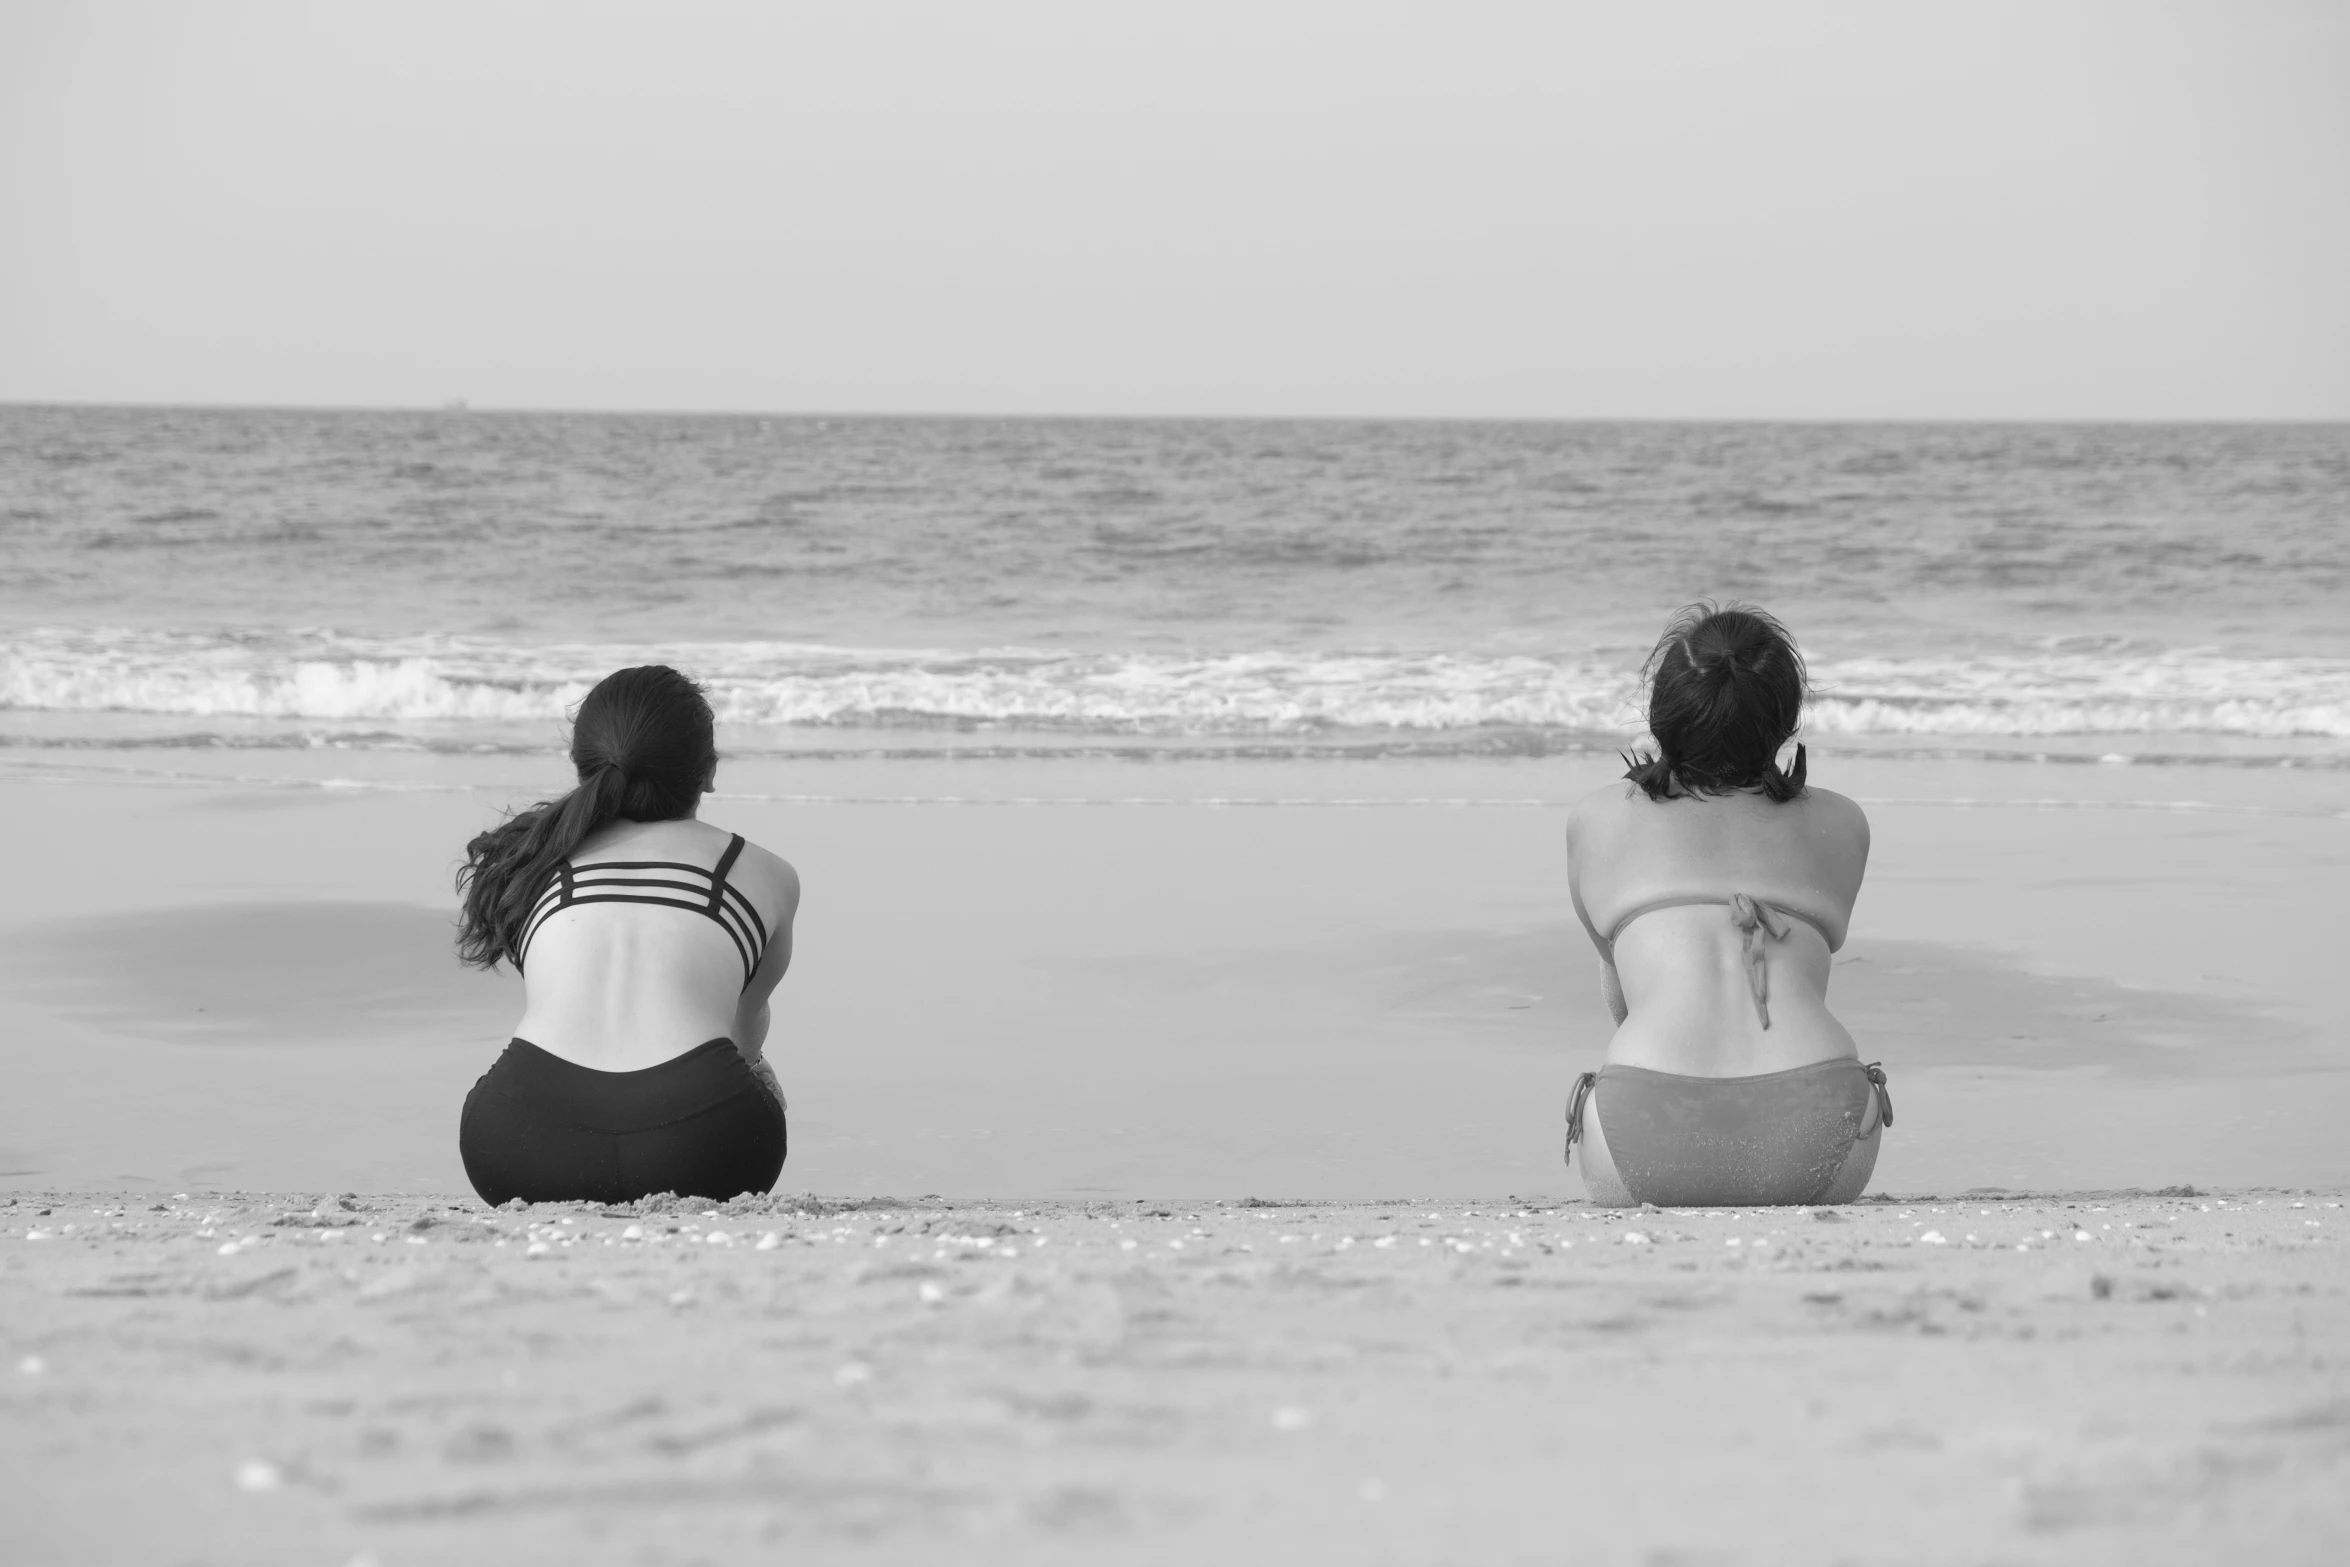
643 743
1726 690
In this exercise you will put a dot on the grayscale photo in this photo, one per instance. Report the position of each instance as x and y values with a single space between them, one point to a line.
1025 782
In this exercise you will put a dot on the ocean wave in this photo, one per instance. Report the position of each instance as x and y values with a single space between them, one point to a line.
398 686
2125 691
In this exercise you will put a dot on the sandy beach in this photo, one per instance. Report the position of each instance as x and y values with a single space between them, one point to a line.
2078 976
2078 1378
1185 1173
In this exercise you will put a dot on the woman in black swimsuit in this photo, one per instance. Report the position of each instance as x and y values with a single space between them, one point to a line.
653 942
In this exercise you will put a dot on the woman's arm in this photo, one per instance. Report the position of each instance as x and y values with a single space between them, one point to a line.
1611 988
751 1013
750 1032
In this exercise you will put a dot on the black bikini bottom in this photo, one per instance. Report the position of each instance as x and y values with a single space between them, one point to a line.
545 1129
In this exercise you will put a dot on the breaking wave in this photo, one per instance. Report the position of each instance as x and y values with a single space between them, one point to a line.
397 683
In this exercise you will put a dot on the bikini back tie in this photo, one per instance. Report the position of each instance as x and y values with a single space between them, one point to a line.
1755 922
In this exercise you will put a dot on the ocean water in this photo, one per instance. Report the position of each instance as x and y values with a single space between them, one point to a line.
454 581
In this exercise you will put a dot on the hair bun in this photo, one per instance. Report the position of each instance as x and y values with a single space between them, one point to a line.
1720 711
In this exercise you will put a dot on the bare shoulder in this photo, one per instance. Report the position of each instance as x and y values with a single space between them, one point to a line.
773 871
1597 811
1838 814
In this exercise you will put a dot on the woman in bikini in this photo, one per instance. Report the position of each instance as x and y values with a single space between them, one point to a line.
648 943
1716 886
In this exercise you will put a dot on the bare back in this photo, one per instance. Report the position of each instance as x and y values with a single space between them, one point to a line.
621 986
1678 975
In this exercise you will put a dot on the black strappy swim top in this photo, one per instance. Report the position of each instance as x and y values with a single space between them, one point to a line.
667 882
1754 920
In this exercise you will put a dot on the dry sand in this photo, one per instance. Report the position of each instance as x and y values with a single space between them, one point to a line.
2117 1377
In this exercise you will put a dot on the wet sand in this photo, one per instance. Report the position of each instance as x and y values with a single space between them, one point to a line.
2115 1377
227 982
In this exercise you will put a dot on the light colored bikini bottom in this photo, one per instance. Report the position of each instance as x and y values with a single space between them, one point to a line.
1732 1142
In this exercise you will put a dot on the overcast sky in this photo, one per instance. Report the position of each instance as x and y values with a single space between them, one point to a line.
1757 210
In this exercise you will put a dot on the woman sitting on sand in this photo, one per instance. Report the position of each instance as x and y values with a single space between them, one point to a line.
1715 887
653 942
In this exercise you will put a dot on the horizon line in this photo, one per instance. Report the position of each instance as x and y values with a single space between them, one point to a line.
457 407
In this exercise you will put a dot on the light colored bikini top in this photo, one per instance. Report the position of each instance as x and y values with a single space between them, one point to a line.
1755 921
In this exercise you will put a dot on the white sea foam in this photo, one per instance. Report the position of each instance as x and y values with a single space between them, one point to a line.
323 677
2064 693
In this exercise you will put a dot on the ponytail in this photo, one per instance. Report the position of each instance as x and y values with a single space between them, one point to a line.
1784 786
1659 780
506 868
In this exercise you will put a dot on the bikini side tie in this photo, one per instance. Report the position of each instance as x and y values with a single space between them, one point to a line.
1583 1087
1756 921
1884 1095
